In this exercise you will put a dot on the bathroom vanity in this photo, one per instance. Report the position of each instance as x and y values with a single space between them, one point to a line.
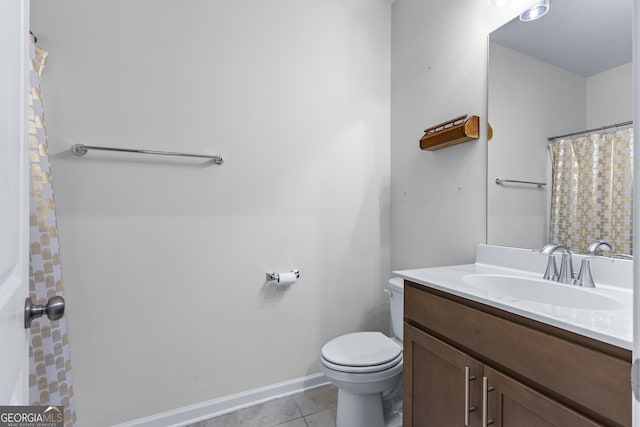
474 357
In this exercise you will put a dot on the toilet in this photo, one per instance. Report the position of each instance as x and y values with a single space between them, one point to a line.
367 369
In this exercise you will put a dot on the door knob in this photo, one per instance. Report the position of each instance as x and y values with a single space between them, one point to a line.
54 310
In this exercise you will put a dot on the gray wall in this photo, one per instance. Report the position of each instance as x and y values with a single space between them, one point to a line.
609 97
439 71
164 259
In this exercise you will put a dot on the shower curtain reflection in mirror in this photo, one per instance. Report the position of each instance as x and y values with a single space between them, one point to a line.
592 191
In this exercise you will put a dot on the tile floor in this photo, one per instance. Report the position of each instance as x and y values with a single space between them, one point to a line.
312 408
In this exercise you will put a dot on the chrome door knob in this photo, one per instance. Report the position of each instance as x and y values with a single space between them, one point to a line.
54 310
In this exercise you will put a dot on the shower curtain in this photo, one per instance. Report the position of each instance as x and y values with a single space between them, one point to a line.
49 361
592 191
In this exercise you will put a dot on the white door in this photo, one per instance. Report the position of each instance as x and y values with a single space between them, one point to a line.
636 207
14 208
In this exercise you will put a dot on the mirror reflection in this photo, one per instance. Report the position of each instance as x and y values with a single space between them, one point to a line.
560 105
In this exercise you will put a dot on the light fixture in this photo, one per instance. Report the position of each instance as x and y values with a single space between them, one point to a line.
536 11
497 3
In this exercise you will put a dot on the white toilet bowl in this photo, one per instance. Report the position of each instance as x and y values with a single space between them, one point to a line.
367 369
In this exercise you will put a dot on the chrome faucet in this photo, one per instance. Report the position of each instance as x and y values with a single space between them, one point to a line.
591 250
566 266
566 275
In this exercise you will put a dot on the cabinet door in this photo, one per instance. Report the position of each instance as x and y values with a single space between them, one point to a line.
441 384
512 404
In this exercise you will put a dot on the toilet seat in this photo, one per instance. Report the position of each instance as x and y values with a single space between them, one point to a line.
362 369
361 352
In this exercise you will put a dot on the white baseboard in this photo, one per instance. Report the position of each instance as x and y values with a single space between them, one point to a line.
224 405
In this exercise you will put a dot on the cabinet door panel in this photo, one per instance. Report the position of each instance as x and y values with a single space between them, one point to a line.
512 404
434 384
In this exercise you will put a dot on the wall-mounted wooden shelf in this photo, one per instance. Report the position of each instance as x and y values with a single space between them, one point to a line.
450 133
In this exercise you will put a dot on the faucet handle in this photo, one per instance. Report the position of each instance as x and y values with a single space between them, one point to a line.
584 275
585 278
551 273
566 274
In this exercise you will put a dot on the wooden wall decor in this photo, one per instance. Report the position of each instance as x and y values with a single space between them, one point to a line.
451 132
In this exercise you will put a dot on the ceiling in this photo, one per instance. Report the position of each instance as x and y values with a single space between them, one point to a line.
586 37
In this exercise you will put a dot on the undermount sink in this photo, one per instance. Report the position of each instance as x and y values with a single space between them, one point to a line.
541 291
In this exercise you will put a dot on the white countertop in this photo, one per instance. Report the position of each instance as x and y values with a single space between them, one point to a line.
610 326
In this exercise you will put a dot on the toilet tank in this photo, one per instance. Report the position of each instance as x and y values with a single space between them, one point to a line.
396 301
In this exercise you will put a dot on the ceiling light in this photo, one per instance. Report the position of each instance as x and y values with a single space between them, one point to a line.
497 3
536 11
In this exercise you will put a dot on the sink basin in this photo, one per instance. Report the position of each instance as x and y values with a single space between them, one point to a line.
541 291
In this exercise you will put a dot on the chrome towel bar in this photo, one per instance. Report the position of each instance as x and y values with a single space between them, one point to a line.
81 150
501 181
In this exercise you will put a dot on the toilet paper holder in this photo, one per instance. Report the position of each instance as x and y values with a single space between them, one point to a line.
276 276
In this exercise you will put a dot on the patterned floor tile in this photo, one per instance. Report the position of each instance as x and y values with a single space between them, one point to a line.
269 413
313 408
317 400
228 420
326 418
298 422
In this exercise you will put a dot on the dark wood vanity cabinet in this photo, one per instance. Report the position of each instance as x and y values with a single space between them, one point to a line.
435 381
464 360
513 404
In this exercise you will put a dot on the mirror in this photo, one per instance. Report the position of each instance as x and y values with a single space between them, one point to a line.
567 72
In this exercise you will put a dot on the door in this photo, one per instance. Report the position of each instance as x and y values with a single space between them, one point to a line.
14 208
442 389
636 209
512 404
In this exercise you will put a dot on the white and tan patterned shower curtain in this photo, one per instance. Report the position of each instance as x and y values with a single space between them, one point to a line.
592 191
49 360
